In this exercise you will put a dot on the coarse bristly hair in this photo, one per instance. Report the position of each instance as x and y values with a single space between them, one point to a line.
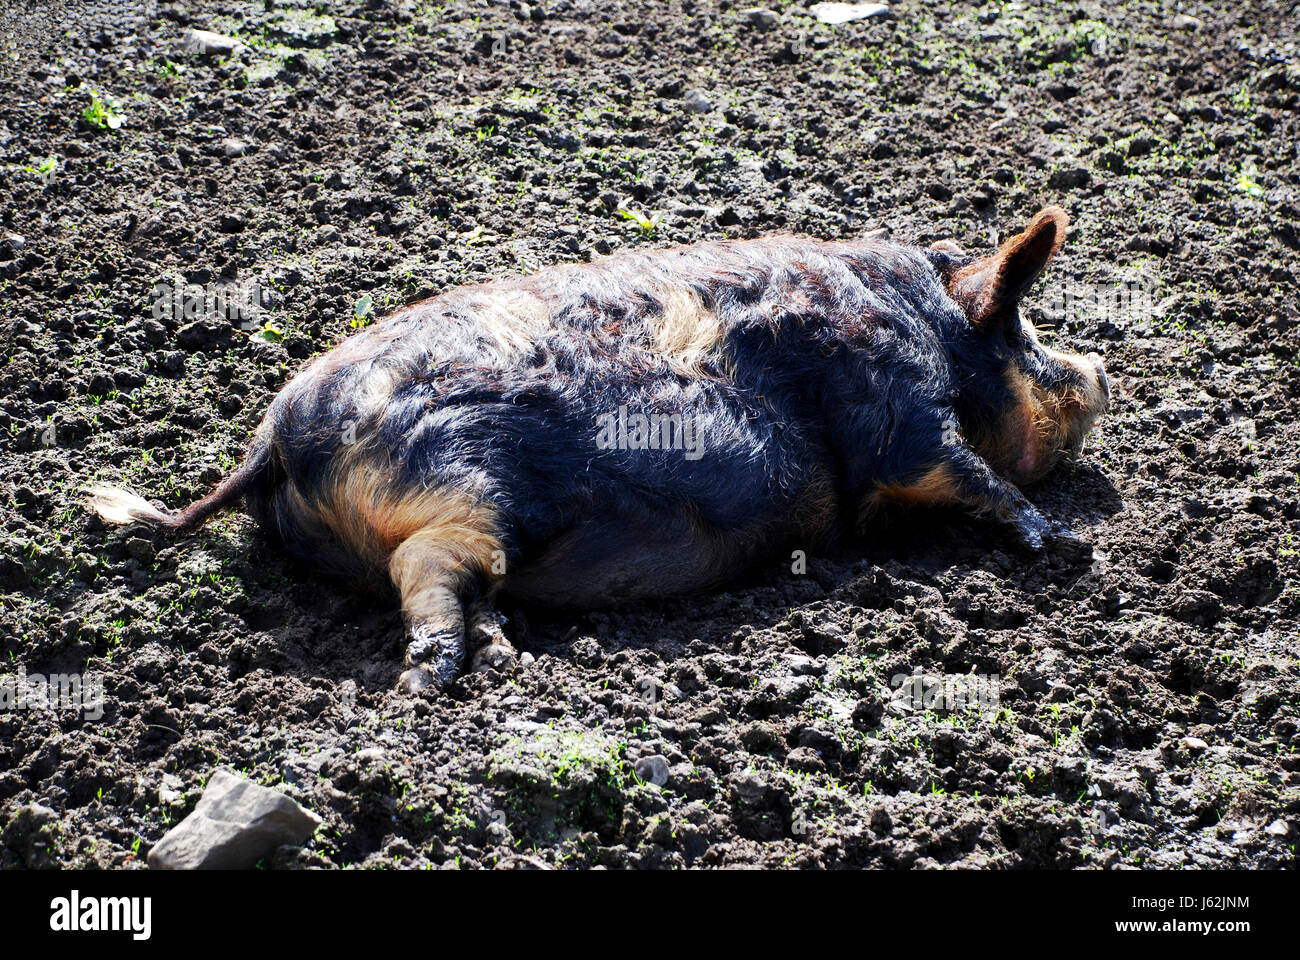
818 376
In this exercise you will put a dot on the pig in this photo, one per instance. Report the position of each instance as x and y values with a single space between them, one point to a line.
653 423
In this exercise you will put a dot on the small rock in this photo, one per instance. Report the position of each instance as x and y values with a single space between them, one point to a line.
209 44
234 147
834 13
697 102
652 770
1184 21
169 791
235 824
1278 828
1195 744
760 17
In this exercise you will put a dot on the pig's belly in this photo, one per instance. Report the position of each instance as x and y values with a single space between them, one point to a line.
612 560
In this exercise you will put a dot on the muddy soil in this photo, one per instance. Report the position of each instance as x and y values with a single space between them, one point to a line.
1138 710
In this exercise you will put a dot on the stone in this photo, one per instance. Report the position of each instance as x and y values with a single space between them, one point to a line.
760 17
170 790
836 13
652 770
209 44
697 102
235 824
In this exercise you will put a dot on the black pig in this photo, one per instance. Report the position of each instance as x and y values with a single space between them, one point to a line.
649 424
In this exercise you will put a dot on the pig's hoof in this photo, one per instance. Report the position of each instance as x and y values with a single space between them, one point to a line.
1029 534
1029 527
494 656
1068 545
418 678
488 628
1031 540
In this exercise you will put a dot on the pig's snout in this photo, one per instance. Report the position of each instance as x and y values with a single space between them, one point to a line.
1103 384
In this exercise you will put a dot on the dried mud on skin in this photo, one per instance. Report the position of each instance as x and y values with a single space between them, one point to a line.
1146 704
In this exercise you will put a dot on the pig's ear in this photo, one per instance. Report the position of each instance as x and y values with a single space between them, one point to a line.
990 287
950 247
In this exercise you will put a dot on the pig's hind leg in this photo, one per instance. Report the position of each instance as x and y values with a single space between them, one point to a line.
443 592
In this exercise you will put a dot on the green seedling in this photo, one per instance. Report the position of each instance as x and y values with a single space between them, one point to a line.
646 225
363 312
102 114
270 332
